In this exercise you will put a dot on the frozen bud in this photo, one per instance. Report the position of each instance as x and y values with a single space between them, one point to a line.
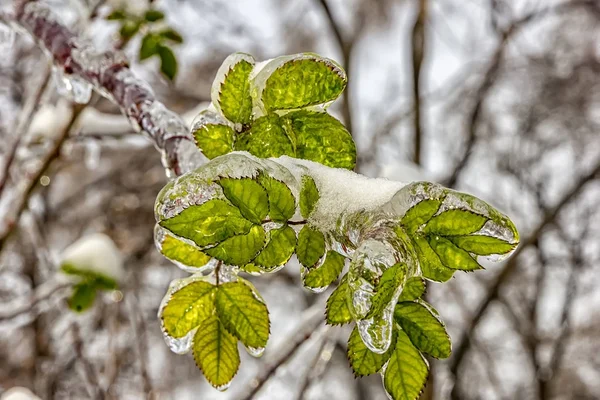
95 254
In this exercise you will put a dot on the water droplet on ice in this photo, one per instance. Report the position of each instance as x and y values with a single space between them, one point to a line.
180 345
255 351
224 387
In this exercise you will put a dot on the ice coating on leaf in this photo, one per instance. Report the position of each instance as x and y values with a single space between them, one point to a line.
412 194
184 344
255 352
376 332
72 87
190 252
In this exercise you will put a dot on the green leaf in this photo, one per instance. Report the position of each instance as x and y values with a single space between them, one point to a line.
327 273
310 247
248 195
420 214
266 138
279 248
337 310
208 223
214 140
184 253
425 330
153 15
240 250
234 98
321 138
116 15
309 196
282 205
302 81
188 307
242 314
172 35
406 372
388 283
98 280
451 256
431 265
413 289
149 46
455 222
215 352
168 62
83 297
362 360
129 29
482 245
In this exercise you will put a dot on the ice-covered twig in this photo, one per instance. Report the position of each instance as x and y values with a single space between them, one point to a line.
109 74
30 302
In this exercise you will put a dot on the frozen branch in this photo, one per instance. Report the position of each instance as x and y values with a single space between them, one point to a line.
418 51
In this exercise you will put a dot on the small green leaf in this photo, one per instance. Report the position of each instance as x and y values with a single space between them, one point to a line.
282 204
327 273
149 46
214 140
455 222
451 256
279 248
302 80
242 314
116 15
309 196
129 29
208 223
310 247
184 253
431 265
425 330
337 310
172 35
240 250
413 289
98 280
215 352
248 195
168 62
420 214
188 307
321 138
234 98
266 138
389 282
406 372
83 296
154 15
482 245
362 360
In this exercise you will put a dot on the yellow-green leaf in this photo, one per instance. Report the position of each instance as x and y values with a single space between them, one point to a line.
188 307
362 360
214 139
282 204
247 195
337 311
266 138
309 196
208 223
234 97
425 330
241 249
419 214
184 253
242 314
451 256
322 138
406 372
279 249
431 265
82 297
482 245
455 222
215 352
327 273
310 247
388 283
413 289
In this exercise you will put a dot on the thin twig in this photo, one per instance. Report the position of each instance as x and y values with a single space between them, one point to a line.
28 303
418 51
88 372
318 363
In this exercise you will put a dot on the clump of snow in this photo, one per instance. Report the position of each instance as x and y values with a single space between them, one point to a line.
18 393
95 253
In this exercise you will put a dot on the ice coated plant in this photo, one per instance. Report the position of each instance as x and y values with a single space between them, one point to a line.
280 184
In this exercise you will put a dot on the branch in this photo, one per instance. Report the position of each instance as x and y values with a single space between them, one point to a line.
418 51
42 293
109 74
491 74
493 293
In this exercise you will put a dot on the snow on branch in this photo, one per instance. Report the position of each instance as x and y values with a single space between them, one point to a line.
84 67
